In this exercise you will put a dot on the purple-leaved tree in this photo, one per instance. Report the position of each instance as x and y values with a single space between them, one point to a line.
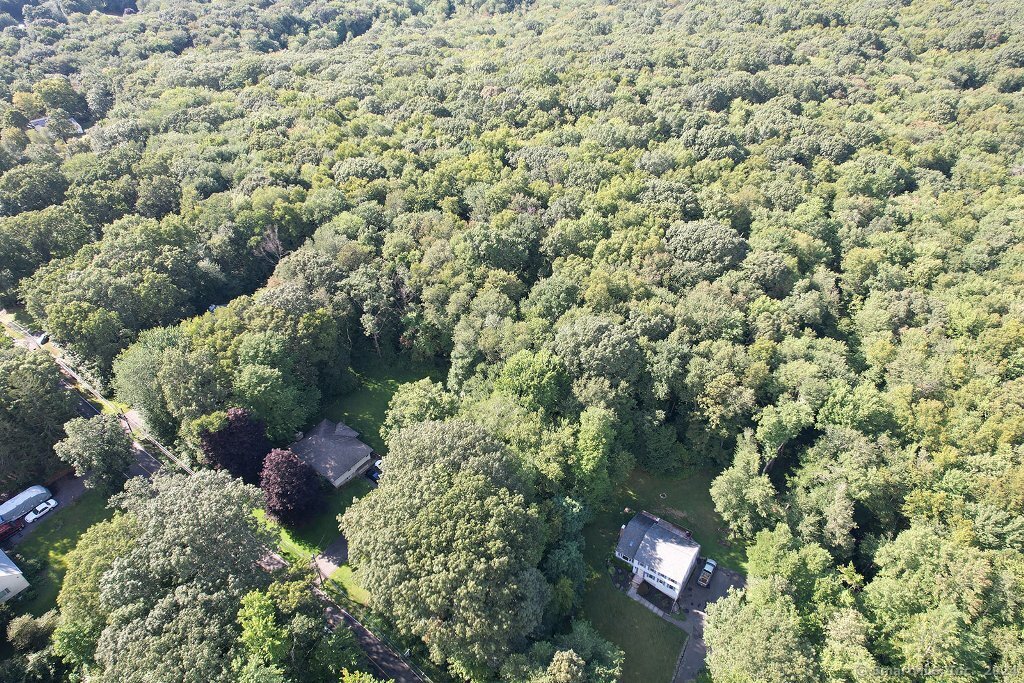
237 443
290 486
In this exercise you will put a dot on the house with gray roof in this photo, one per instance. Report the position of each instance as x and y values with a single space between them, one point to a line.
334 450
659 552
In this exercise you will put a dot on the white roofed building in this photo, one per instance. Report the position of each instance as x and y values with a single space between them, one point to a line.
17 506
659 552
12 581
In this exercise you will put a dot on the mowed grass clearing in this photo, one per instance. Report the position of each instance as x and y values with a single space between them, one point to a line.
364 407
685 500
345 578
300 543
652 645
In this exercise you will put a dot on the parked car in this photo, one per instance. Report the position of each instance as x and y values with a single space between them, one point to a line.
375 470
16 506
705 576
8 529
40 510
43 338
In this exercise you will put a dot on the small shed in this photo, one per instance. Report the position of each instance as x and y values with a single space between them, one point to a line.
334 450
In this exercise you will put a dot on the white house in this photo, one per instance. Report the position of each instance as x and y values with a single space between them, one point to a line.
12 581
660 553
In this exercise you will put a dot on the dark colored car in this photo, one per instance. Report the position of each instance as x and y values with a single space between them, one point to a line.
8 529
375 471
705 576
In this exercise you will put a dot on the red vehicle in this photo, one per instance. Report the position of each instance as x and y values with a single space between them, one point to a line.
8 529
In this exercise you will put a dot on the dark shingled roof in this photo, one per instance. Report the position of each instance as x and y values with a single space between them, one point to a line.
43 122
332 449
633 535
658 545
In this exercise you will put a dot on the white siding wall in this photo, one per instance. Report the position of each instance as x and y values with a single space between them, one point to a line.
10 585
664 584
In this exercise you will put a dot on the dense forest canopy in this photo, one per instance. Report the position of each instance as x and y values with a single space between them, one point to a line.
782 241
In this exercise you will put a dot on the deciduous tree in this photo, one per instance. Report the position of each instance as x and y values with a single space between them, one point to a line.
234 441
291 488
172 595
33 409
99 449
448 542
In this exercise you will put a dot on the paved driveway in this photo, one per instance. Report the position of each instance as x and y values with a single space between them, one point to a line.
693 603
333 556
66 491
388 663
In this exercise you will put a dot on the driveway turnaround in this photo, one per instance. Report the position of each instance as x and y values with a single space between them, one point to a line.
333 556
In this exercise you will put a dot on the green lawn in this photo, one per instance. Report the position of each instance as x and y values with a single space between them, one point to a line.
19 314
652 646
364 407
299 544
345 578
51 542
685 500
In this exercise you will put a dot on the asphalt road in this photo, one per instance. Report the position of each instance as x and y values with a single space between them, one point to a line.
387 663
